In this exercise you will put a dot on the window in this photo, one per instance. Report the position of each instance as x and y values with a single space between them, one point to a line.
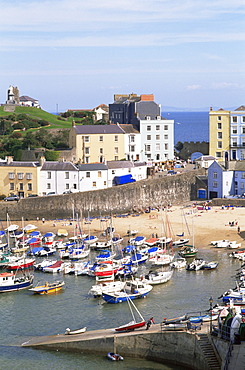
132 148
148 137
236 174
234 119
21 186
165 127
116 158
215 184
157 137
99 174
131 139
86 150
147 148
215 175
29 176
48 186
48 175
87 159
234 129
101 138
243 130
20 176
74 186
219 126
165 137
234 143
116 138
243 119
157 127
243 175
67 186
101 150
29 187
116 150
86 139
218 155
219 144
219 118
242 185
11 186
166 146
11 175
94 184
104 183
219 135
87 174
148 128
113 172
66 175
157 146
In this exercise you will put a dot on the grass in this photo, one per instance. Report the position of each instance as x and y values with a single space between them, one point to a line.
39 114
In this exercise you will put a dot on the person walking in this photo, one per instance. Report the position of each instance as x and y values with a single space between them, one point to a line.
149 323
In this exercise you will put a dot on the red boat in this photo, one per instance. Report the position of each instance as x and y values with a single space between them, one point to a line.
23 263
106 268
131 326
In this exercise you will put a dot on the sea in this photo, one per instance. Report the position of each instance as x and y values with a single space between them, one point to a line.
189 126
25 315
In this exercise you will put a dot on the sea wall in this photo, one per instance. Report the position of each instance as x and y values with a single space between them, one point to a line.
160 191
179 348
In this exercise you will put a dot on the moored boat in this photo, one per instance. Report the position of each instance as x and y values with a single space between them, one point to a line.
10 282
48 288
133 290
114 356
156 277
188 251
74 332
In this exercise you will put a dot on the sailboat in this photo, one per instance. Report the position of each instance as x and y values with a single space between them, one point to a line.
189 250
132 324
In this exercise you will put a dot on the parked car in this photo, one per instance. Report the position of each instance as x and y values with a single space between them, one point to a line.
32 195
67 192
52 193
11 198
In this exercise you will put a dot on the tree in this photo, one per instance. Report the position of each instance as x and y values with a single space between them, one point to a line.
30 141
179 146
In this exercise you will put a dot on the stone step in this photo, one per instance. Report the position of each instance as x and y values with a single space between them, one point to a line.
208 352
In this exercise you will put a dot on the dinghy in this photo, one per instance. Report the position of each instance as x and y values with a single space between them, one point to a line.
74 332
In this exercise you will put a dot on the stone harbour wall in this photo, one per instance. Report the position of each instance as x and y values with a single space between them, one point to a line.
174 189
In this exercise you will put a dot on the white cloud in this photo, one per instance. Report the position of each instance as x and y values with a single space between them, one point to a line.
226 85
194 87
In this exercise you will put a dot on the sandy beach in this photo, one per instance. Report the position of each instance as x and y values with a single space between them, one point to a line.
202 225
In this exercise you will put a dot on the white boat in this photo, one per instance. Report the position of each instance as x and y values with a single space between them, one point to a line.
133 290
101 245
220 243
196 264
161 259
55 267
114 356
210 265
156 277
234 245
74 332
106 287
44 263
178 263
11 282
138 240
180 242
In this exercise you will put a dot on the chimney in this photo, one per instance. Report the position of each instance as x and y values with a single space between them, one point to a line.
211 108
42 160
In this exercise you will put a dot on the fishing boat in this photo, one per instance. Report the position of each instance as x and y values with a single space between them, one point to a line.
75 332
196 264
156 277
10 282
114 356
23 263
133 290
48 288
132 325
188 251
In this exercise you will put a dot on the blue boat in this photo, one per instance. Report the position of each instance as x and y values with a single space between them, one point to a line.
133 290
9 282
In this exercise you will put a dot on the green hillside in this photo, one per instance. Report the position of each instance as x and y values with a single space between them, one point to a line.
39 114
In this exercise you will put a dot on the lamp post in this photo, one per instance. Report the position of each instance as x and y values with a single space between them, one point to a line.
211 312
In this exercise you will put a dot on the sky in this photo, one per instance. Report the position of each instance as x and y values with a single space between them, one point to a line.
72 54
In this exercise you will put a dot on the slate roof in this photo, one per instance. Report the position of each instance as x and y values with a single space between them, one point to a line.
27 98
128 129
20 164
92 167
98 129
119 164
58 166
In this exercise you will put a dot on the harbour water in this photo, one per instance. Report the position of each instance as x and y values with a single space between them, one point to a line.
24 315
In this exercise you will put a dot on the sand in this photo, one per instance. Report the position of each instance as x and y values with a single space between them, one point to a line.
204 225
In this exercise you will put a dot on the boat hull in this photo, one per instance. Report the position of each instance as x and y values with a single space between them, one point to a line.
17 286
131 326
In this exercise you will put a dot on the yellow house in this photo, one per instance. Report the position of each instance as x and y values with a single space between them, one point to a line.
219 134
19 178
97 143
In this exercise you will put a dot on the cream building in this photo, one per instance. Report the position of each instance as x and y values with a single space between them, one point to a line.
19 178
97 143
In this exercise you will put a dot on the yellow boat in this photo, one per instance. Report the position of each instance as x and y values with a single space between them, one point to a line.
48 288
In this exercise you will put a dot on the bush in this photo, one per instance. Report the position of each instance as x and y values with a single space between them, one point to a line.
52 156
16 135
2 196
18 126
